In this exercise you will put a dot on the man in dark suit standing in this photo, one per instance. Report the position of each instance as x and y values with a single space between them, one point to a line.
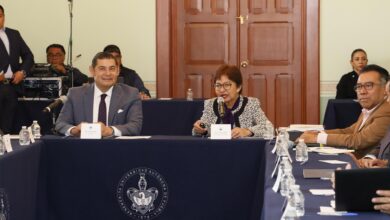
116 107
12 73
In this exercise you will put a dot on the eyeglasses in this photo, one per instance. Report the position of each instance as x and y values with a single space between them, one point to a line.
219 86
367 86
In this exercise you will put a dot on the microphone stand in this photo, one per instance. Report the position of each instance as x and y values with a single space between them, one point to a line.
53 118
70 49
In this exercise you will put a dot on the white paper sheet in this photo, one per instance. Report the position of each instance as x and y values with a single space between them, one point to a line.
133 137
322 192
333 161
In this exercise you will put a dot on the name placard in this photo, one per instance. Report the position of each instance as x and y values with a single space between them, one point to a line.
221 131
7 143
91 131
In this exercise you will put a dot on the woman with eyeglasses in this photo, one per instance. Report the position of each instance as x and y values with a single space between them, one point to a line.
229 107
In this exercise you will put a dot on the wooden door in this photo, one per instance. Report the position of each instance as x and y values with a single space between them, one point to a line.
205 37
271 56
274 41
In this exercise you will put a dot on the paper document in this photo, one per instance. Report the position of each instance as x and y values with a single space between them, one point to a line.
329 150
334 161
133 137
305 127
324 210
322 192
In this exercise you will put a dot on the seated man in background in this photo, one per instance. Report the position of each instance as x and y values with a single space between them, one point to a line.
55 54
117 107
345 87
366 133
130 77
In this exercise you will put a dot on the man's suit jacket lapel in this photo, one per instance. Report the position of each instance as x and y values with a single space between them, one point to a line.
384 148
115 102
368 119
88 103
12 42
4 56
3 50
358 123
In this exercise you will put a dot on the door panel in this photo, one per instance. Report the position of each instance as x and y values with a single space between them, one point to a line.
204 37
270 41
277 47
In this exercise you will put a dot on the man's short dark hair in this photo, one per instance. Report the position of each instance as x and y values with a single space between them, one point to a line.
2 9
59 46
102 56
112 49
384 74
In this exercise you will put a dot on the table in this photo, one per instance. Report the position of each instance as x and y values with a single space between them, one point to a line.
273 201
207 179
58 178
160 117
341 113
18 180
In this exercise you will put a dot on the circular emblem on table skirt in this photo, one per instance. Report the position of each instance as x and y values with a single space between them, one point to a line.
142 193
4 205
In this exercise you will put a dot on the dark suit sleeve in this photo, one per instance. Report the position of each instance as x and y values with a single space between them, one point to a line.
139 84
65 119
79 77
25 53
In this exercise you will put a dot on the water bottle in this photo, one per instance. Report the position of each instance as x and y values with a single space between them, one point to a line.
301 154
283 131
285 164
269 131
282 145
2 146
285 170
24 136
36 130
190 95
286 182
297 200
291 212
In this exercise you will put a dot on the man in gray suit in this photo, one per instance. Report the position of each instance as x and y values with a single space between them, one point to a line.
87 103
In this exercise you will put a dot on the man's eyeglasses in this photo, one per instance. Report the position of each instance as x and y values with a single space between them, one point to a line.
219 86
367 86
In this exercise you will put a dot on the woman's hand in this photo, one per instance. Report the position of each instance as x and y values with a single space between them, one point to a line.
241 132
198 128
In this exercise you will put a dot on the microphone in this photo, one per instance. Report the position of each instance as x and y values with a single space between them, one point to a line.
61 100
221 108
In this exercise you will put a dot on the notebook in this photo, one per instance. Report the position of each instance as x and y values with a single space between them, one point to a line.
356 187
